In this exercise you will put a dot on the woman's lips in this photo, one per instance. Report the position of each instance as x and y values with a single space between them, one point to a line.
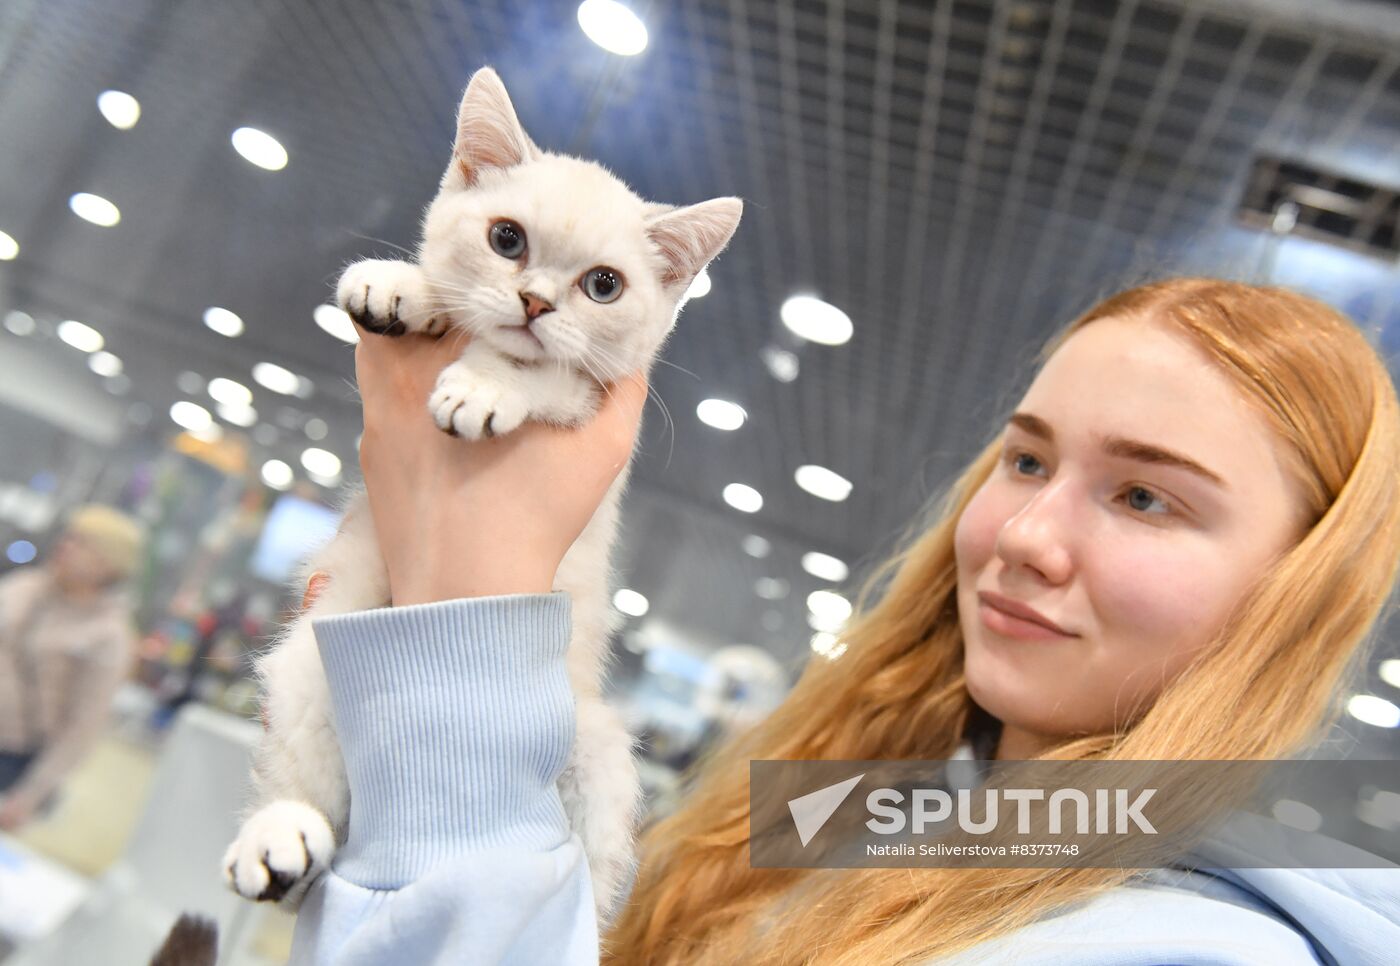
1003 623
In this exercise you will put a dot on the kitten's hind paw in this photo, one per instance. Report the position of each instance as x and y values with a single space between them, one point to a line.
279 852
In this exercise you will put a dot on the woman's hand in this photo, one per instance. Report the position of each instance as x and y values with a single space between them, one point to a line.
468 519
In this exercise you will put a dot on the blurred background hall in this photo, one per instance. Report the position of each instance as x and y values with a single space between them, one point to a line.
932 187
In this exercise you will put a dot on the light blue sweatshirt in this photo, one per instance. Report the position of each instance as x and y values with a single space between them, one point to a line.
456 719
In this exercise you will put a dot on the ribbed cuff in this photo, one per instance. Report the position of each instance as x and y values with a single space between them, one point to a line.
455 720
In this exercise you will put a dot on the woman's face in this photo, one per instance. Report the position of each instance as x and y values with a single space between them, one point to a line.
1137 498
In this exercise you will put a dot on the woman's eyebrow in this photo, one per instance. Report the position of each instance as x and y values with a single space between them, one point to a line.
1124 448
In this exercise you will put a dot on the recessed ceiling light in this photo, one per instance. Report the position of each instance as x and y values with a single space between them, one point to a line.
822 482
827 610
260 148
94 209
781 364
721 414
19 323
265 434
190 383
336 322
230 393
613 27
270 375
244 416
80 336
825 566
630 602
105 364
277 474
9 248
209 434
771 588
743 497
119 108
816 321
756 546
191 416
117 385
828 645
321 462
316 428
700 286
223 322
1373 710
1390 672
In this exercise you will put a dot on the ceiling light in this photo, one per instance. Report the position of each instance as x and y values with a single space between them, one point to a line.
827 610
269 375
95 209
244 416
816 321
1390 672
19 323
700 286
336 322
230 393
223 322
1297 815
190 383
191 416
822 482
277 474
782 364
316 428
771 588
260 148
9 248
119 108
117 385
81 337
721 414
756 546
105 364
21 552
825 566
828 645
321 462
209 434
265 434
613 27
630 602
743 497
1374 711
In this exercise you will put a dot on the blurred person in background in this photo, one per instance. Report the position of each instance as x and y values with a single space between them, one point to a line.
66 642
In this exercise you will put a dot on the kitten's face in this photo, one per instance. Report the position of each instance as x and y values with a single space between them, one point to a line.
560 240
552 259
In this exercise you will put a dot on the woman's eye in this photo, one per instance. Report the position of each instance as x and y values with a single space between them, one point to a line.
507 239
1019 460
1148 498
601 284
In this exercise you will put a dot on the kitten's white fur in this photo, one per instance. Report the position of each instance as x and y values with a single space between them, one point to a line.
576 216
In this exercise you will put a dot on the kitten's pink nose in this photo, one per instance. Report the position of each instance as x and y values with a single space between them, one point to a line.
534 305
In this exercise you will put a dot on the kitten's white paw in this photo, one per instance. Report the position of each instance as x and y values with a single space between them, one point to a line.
279 852
389 298
465 405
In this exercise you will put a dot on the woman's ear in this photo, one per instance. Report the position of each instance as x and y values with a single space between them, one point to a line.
489 134
689 237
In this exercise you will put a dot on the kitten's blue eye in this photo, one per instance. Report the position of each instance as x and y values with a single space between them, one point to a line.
507 239
601 284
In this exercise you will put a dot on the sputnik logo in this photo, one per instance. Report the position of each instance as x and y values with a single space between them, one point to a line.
810 811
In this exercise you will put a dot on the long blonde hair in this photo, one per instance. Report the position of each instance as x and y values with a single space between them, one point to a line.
1266 687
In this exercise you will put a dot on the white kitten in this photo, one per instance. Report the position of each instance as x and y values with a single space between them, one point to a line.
565 280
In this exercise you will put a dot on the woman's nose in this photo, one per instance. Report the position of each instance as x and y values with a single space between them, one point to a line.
1036 536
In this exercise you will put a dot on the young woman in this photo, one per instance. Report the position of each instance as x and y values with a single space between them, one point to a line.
1173 549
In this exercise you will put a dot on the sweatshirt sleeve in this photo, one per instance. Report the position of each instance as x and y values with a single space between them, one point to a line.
455 720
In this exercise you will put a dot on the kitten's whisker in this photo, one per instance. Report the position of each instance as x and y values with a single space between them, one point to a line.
661 404
384 241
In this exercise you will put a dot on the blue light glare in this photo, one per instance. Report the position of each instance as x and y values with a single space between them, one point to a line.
21 552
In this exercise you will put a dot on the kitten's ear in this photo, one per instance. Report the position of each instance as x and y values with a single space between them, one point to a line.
688 238
489 134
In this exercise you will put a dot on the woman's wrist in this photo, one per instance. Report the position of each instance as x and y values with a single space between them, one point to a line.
462 580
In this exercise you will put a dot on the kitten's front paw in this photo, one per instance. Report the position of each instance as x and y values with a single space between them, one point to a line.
468 406
279 852
388 298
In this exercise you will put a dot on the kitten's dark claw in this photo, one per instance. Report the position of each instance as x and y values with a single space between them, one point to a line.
392 326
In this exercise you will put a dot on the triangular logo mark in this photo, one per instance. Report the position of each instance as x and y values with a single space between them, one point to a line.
810 811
